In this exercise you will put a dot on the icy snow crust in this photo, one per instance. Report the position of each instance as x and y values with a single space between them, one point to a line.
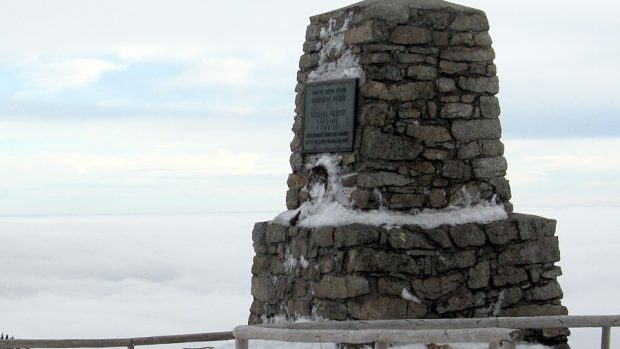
331 206
346 66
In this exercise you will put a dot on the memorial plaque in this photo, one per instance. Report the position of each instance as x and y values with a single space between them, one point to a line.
329 116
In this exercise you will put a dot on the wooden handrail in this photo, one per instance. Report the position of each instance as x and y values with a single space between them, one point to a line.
377 335
430 324
110 343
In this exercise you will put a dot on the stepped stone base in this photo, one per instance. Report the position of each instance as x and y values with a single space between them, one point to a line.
503 268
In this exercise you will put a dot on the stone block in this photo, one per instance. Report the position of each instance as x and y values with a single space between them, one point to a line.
483 39
460 301
382 179
480 85
489 107
485 168
456 170
298 308
292 199
548 292
330 310
534 310
544 250
323 237
379 145
410 58
467 54
438 236
446 85
308 60
412 91
376 114
409 35
375 58
409 113
380 308
472 22
390 286
386 73
371 260
509 276
393 12
355 235
263 289
258 233
431 134
479 275
333 287
459 260
468 151
435 154
403 239
437 199
501 233
422 72
464 39
313 31
491 147
367 32
275 233
448 67
466 235
441 39
435 287
261 264
456 110
400 201
375 89
331 263
473 130
534 227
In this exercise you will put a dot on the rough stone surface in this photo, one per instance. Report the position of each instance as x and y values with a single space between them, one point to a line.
341 287
426 135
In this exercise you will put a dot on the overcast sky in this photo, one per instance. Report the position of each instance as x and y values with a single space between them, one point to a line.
186 106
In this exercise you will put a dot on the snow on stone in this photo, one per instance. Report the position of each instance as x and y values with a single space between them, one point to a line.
346 66
331 207
406 295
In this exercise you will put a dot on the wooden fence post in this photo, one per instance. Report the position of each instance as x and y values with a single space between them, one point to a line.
606 338
241 343
381 345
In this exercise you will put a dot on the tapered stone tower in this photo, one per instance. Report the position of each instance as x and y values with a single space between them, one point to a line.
397 119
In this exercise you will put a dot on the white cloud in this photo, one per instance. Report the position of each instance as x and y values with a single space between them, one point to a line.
221 163
74 73
216 71
158 51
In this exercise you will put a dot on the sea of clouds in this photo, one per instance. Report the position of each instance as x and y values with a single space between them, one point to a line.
141 275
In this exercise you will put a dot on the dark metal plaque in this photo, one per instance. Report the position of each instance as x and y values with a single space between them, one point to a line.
329 116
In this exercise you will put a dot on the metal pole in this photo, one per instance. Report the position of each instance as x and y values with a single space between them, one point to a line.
606 338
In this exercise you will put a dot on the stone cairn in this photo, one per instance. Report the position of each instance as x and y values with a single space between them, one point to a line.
426 136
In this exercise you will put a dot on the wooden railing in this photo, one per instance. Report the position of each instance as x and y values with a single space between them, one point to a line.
130 343
498 332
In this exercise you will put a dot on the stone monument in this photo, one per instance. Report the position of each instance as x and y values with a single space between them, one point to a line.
398 203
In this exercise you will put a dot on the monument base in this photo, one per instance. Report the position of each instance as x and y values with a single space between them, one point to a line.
502 268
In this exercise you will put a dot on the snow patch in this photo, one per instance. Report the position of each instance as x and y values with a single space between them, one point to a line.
346 66
331 206
407 295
